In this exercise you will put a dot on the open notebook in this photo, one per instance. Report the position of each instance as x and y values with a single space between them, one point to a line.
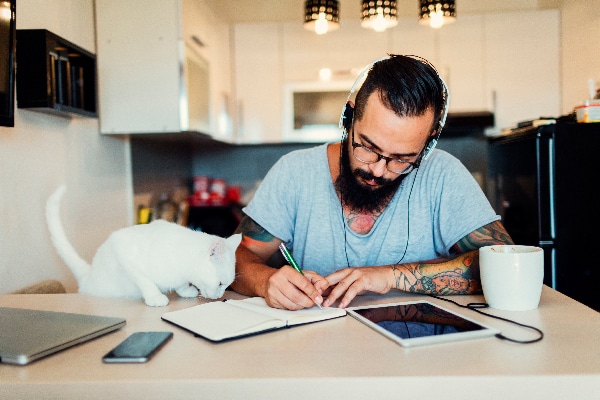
27 335
232 319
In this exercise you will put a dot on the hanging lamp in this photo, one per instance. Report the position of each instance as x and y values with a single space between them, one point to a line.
321 16
379 15
436 13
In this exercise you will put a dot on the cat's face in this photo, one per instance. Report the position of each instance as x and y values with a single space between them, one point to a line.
217 270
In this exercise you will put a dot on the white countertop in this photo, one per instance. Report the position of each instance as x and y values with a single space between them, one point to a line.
340 358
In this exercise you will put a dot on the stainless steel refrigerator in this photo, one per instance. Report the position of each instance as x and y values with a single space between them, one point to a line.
543 182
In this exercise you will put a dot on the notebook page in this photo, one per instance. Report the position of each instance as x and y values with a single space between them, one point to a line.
220 320
296 317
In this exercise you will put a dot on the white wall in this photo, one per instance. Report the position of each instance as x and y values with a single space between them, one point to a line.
43 151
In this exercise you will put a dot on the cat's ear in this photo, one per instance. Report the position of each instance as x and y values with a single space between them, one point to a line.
217 248
220 246
234 241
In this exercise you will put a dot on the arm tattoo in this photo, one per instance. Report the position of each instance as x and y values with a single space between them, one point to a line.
254 231
459 275
456 276
490 234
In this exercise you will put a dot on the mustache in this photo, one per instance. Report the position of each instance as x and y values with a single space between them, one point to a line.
359 173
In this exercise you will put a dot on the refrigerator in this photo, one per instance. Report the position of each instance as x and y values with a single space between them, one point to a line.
542 181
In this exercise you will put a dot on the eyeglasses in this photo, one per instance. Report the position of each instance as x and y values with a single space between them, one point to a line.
368 156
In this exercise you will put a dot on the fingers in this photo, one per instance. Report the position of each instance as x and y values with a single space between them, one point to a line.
346 283
293 291
350 282
346 287
320 283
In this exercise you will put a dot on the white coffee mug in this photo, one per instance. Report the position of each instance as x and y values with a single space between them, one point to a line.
512 276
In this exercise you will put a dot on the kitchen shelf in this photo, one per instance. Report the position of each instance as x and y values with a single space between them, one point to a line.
54 75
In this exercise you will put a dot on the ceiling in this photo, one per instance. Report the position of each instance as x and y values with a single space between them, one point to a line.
240 11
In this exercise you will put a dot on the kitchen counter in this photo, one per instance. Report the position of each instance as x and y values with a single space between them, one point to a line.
340 358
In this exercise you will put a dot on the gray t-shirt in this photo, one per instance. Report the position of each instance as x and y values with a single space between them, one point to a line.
435 206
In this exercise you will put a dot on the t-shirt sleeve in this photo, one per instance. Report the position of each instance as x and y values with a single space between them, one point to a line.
463 206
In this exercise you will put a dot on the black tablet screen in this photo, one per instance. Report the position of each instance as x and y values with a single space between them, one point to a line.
417 320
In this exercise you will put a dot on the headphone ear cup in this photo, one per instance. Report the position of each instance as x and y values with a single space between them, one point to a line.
348 116
431 145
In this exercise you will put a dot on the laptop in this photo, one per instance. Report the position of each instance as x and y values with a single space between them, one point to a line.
28 335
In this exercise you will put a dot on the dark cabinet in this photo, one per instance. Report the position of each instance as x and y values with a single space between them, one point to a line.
54 75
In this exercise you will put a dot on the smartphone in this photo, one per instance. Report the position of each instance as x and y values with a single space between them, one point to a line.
138 347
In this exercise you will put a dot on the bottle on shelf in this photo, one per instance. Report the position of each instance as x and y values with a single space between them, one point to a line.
166 208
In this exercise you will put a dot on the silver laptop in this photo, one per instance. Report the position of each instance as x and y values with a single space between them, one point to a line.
27 335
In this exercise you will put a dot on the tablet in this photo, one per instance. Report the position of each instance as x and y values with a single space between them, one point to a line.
418 323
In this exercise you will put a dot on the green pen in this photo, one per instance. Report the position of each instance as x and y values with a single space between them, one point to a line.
290 259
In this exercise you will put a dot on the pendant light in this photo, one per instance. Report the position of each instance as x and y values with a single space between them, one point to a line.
436 13
379 14
321 16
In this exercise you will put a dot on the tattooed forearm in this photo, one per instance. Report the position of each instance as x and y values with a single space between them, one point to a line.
457 276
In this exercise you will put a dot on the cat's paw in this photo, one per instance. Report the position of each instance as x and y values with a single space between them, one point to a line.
159 300
187 291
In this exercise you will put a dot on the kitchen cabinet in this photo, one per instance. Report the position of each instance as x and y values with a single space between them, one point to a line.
159 66
258 82
522 65
491 62
462 66
54 75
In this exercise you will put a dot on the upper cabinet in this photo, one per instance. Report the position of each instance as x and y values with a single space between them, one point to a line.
491 62
54 75
161 68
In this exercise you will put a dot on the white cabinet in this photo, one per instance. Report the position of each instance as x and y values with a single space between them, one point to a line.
499 62
460 61
273 58
258 82
156 72
522 62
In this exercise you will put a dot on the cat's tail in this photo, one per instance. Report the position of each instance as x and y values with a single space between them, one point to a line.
78 266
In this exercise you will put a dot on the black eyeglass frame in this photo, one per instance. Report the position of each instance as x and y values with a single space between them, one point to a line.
411 165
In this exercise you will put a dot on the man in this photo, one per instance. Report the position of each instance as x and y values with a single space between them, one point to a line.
380 210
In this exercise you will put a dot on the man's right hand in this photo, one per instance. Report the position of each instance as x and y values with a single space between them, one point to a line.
287 288
281 287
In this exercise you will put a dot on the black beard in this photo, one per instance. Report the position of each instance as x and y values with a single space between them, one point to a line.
360 197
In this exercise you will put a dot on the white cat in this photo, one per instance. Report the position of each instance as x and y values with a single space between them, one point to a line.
146 261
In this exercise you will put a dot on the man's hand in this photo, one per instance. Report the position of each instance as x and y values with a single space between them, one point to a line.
289 289
350 282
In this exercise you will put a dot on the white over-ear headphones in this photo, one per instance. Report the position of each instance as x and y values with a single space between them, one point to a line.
348 112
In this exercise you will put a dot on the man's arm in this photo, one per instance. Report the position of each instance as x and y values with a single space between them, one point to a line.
251 270
281 288
458 275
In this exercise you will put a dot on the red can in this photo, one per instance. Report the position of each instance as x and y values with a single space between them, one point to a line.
201 190
218 191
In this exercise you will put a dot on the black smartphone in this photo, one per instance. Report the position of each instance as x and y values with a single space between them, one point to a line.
137 347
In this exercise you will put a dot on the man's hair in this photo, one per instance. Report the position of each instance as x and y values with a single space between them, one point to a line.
407 85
